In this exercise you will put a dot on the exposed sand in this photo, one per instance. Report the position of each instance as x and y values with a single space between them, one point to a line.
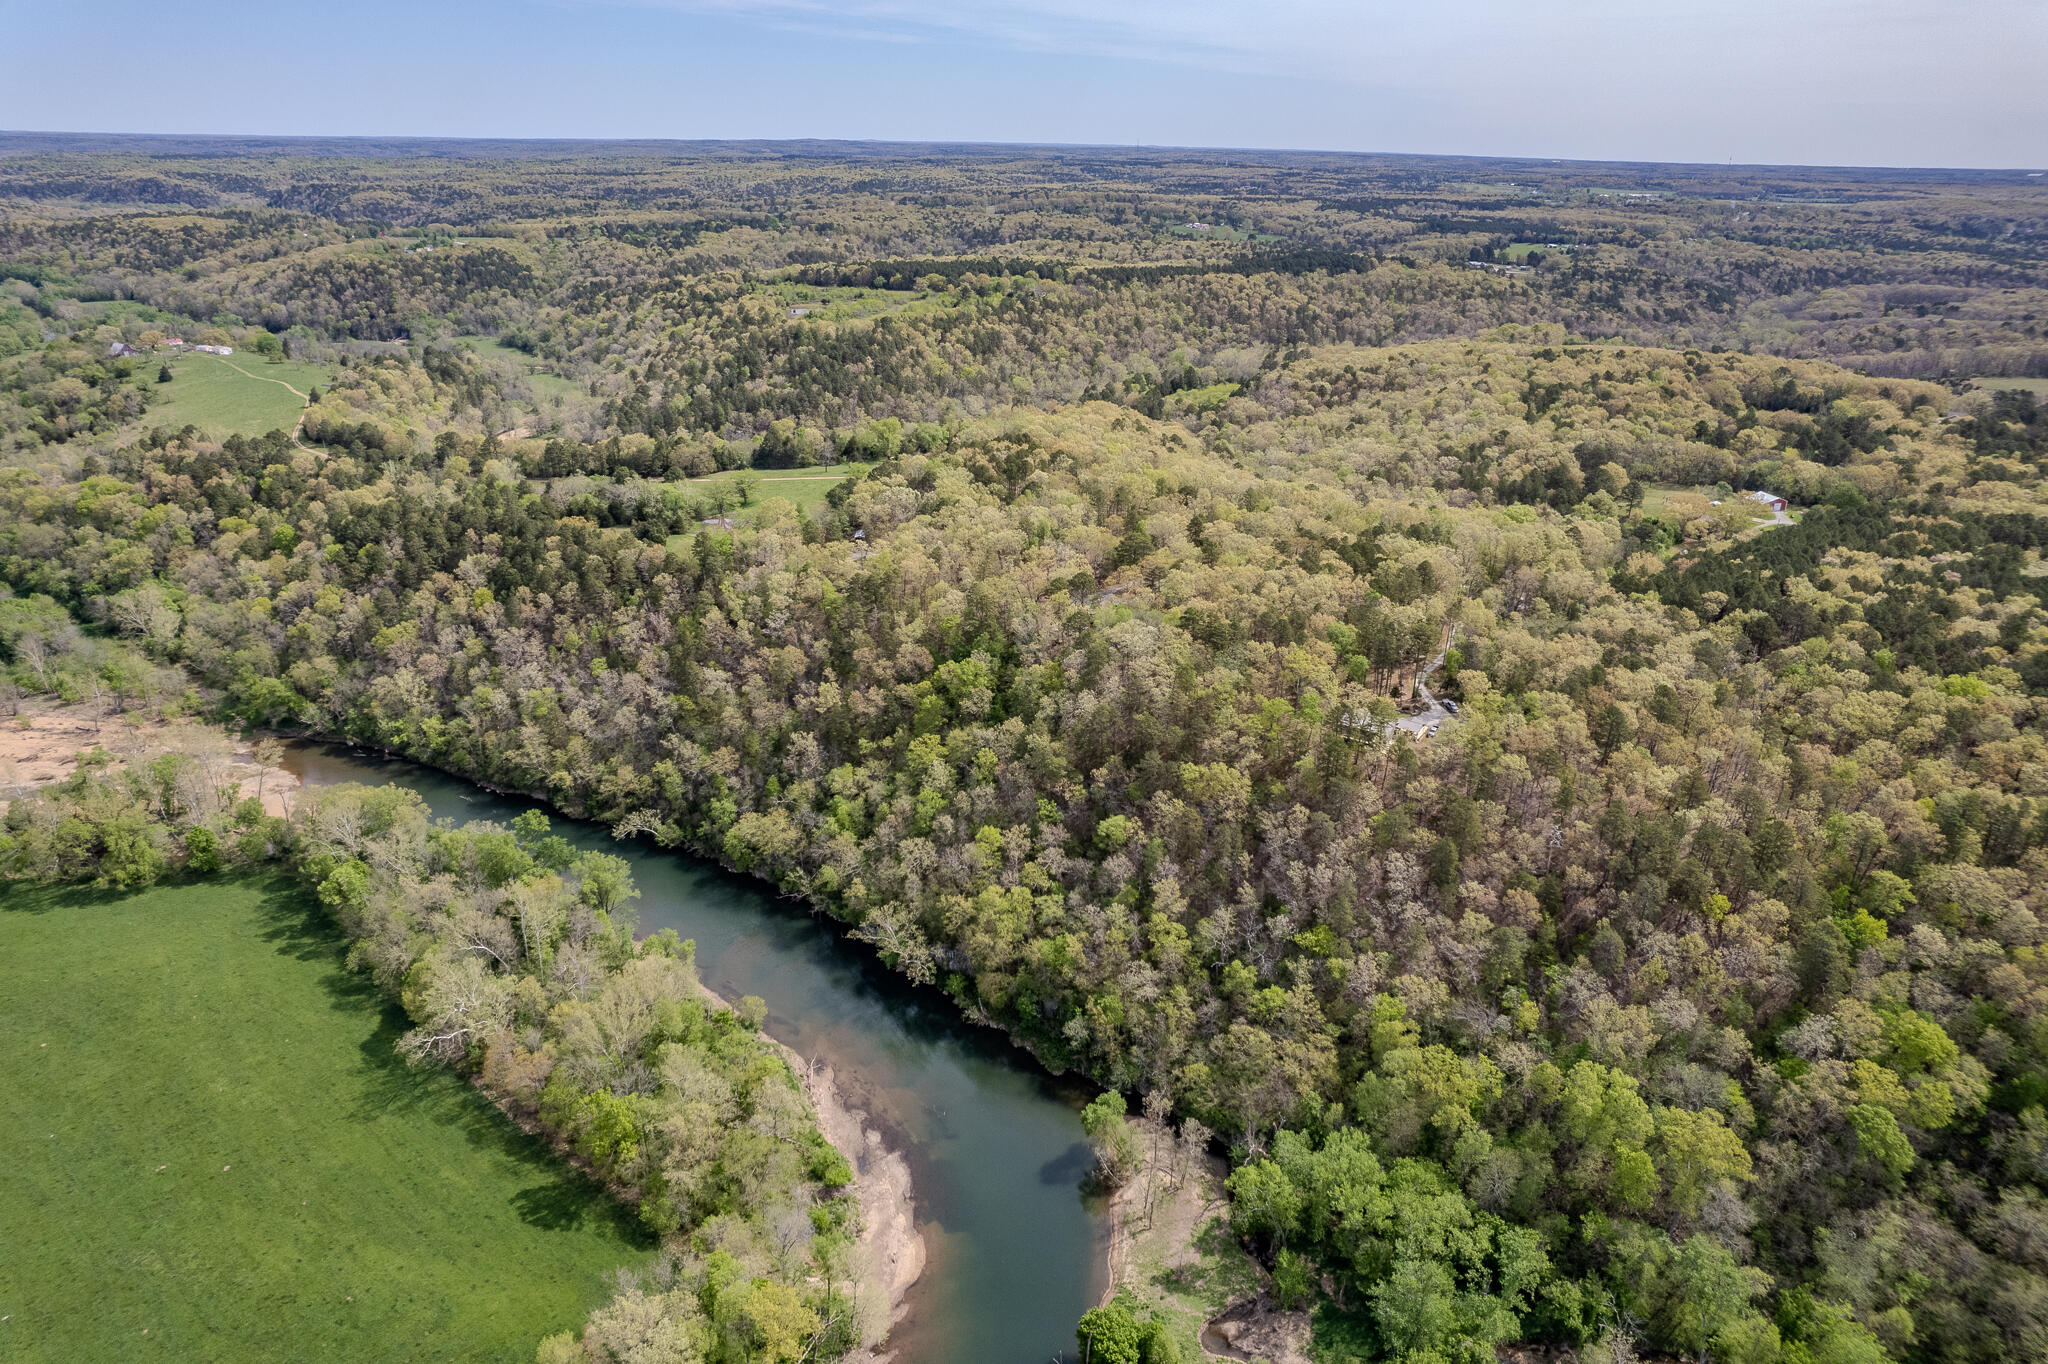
889 1239
892 1251
1170 1248
1256 1329
42 744
1154 1215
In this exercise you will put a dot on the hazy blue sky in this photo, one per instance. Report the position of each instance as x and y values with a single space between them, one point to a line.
1868 82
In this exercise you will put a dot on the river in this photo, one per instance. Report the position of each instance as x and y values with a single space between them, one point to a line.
994 1143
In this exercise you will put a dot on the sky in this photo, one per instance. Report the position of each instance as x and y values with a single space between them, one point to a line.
1814 82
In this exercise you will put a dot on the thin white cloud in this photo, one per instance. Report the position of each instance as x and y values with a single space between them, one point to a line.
1140 29
1418 40
1790 79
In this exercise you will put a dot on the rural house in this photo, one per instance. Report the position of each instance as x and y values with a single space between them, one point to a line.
1771 500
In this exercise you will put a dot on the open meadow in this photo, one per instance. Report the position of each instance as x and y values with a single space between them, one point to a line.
238 395
214 1152
803 488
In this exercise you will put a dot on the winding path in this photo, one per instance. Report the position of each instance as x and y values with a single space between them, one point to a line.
305 400
1433 712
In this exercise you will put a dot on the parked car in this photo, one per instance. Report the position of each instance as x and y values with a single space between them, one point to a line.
1451 706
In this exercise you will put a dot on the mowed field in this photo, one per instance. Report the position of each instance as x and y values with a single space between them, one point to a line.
211 1152
224 396
804 487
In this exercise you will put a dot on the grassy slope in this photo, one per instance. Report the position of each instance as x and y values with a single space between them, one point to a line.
321 1200
545 386
222 401
806 488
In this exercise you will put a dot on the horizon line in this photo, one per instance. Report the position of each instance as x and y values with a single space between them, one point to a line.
566 138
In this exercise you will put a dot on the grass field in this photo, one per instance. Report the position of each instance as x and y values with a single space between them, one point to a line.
212 1152
824 303
1657 496
227 395
804 487
546 387
2037 387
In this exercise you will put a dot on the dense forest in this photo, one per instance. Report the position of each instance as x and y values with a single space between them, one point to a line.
1682 989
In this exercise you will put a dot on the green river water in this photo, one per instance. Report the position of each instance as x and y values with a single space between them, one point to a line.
994 1144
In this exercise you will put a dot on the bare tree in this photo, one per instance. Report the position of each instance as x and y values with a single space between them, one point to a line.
269 755
336 826
146 613
541 910
1194 1148
889 928
577 967
34 650
474 926
1158 1108
465 1001
636 823
791 1231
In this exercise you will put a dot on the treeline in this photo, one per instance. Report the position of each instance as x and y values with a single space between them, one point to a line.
1688 946
1702 939
176 808
61 392
516 961
1685 992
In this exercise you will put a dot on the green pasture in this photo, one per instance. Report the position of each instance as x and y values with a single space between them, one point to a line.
2037 387
1657 496
806 488
212 1152
240 394
546 387
1657 500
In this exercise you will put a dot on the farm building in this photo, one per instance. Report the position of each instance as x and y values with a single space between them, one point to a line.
120 348
1771 500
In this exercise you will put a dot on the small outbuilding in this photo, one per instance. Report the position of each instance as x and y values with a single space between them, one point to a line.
1770 500
122 348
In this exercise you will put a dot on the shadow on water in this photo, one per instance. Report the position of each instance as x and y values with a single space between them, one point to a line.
1070 1168
993 1141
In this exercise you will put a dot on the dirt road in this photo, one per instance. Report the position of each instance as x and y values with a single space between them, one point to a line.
304 399
1433 713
